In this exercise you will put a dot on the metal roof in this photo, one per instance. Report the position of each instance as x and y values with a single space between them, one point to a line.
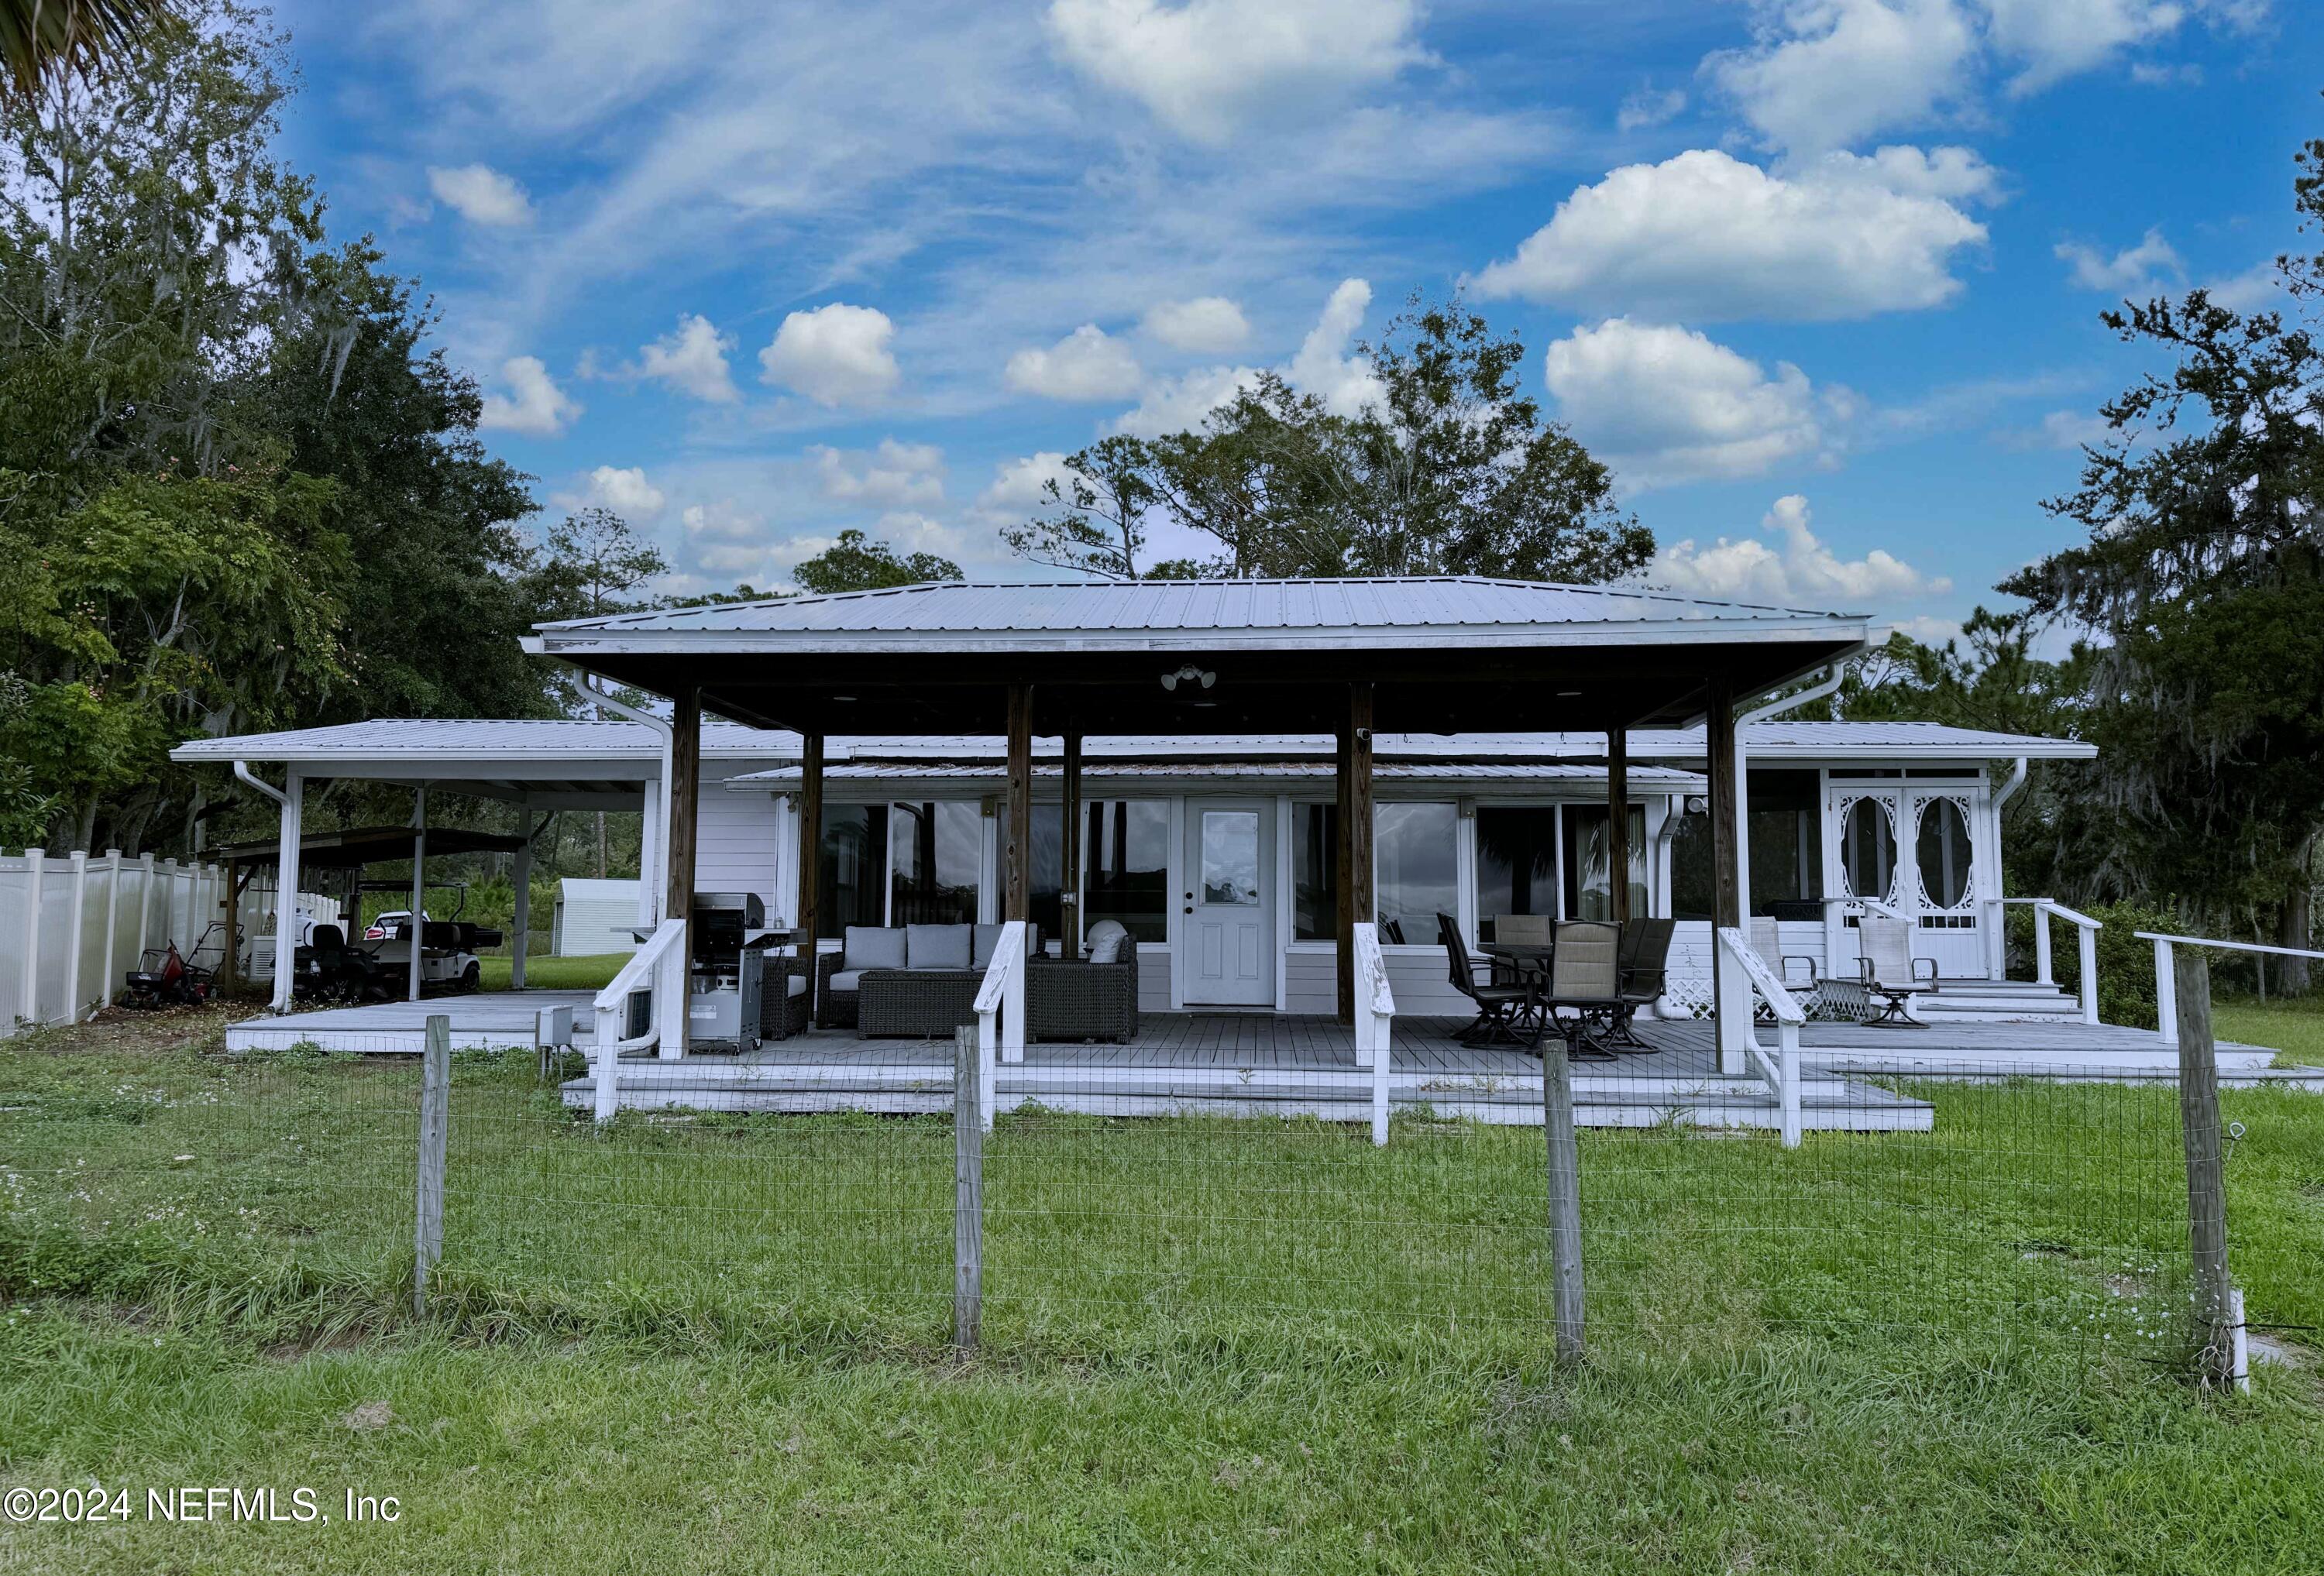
541 747
540 738
352 850
1669 777
1148 614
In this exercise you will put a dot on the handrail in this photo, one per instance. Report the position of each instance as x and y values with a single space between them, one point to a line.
1001 1014
2166 979
1375 1006
2052 904
648 968
2284 951
1781 1071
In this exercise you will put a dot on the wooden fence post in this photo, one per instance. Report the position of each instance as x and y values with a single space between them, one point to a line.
968 1191
2216 1304
1565 1198
435 1128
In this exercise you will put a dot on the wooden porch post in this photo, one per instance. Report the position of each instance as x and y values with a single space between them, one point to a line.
1017 849
685 810
1730 991
1070 892
810 858
229 967
1354 779
1618 821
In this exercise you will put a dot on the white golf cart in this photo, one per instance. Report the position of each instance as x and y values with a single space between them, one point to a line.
447 950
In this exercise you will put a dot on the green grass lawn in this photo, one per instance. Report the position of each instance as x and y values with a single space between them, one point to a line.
544 972
718 1344
2294 1027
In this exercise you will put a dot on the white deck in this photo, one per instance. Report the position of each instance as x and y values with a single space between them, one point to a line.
1259 1063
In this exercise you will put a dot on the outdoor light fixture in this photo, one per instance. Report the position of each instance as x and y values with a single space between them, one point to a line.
1171 681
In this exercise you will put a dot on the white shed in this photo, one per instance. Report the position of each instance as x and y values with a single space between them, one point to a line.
593 918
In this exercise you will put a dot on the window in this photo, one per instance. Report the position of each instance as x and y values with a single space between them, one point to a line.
1314 872
1784 824
1229 859
1867 848
1589 891
934 853
1416 864
1045 903
1516 864
1125 863
1943 853
851 889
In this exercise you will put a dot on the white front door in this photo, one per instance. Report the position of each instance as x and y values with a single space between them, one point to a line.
1228 933
1910 847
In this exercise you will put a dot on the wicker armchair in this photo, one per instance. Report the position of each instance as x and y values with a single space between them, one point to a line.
781 1014
832 1009
1068 1000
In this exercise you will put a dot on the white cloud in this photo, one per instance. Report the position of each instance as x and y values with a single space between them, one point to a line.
625 491
2055 39
482 195
1828 73
1662 404
2057 429
1798 571
1922 627
1085 364
1205 326
1706 235
1345 384
835 356
691 360
533 404
1205 66
1646 107
2132 271
1018 484
1178 404
909 531
2257 289
894 475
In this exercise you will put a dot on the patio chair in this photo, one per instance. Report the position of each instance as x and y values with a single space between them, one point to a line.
1585 980
1520 930
1503 1010
1889 971
1644 961
1766 940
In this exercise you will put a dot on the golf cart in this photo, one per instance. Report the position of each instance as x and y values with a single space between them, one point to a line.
448 948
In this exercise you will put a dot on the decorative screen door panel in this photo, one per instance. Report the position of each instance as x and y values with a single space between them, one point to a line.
1942 871
1230 904
1911 848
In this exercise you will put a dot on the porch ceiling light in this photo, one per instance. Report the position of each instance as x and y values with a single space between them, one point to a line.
1188 674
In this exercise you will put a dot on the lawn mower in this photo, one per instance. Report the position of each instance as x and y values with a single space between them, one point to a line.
165 977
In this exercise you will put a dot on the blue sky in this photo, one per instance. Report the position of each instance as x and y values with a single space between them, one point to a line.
1819 278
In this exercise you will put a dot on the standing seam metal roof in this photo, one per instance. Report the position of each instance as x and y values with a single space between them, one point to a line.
986 607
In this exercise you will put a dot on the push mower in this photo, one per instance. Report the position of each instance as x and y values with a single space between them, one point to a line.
164 977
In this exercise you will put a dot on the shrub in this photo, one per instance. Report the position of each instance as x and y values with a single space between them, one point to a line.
2125 963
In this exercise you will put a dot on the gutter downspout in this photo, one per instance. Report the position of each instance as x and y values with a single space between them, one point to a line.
1774 708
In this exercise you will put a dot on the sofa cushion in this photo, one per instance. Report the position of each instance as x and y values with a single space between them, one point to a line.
1106 939
937 947
980 954
872 946
798 985
847 980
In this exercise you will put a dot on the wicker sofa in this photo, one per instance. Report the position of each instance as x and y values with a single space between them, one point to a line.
1064 999
866 949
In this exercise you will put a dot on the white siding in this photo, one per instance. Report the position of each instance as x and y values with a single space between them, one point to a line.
735 842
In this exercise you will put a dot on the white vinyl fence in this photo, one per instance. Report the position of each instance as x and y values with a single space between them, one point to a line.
71 925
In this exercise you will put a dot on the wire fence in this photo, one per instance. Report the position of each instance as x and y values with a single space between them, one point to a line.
811 1194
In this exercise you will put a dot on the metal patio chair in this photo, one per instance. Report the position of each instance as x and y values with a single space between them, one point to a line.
1505 1012
1645 966
1888 970
1585 980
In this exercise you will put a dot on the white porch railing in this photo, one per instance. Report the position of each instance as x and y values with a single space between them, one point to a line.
659 967
1001 1014
1781 1070
1375 1016
2044 910
2166 985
